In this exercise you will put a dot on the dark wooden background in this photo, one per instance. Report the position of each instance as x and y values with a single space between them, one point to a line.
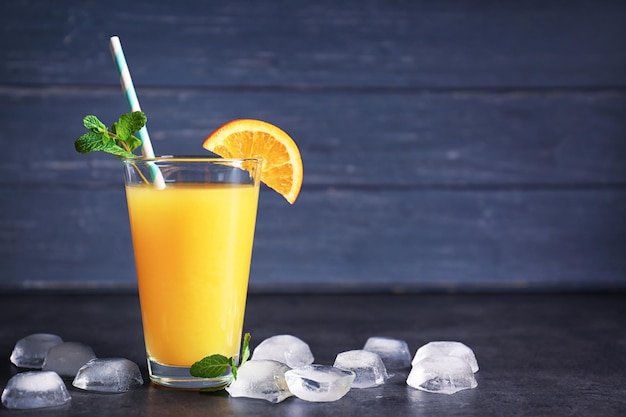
448 145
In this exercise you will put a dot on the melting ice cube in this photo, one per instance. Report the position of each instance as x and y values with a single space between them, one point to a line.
319 383
35 389
368 367
447 348
67 358
108 375
442 374
284 348
262 379
30 351
394 352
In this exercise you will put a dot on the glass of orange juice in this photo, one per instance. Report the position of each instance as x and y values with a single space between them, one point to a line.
192 241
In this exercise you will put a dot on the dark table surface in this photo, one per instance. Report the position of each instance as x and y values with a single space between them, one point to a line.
546 354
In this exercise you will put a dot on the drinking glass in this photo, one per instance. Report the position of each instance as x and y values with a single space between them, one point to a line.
192 241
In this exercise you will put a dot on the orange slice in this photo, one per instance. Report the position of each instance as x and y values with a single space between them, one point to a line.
248 138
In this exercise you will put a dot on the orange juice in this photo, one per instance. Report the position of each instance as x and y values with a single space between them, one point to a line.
193 245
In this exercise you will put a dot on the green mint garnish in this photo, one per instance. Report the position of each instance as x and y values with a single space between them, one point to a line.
245 351
119 140
210 366
215 365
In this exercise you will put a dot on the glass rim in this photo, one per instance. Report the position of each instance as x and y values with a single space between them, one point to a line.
190 158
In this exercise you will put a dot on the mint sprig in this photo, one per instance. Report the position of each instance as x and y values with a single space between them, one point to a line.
215 365
119 140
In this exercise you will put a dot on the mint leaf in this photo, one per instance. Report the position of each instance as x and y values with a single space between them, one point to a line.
233 367
120 130
133 121
245 355
133 142
89 142
210 366
94 124
119 140
128 124
245 350
215 365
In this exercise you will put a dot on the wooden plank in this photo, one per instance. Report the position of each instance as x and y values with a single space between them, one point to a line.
303 43
367 139
446 145
333 240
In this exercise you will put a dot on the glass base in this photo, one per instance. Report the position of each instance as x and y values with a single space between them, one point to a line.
179 377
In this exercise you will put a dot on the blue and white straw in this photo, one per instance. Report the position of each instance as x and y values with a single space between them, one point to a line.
131 97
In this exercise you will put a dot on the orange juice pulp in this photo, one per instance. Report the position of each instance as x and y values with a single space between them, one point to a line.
193 245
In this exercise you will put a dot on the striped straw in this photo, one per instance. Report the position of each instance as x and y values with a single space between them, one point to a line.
131 97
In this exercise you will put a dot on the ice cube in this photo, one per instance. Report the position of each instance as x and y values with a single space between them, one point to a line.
284 348
394 352
108 375
67 358
262 379
30 351
35 389
447 348
368 367
442 374
319 383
